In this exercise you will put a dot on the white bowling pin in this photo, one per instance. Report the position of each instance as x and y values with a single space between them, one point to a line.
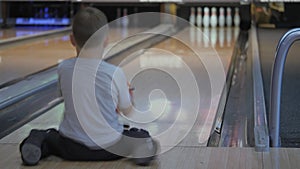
213 17
206 17
199 16
221 17
228 17
192 16
125 20
118 17
236 18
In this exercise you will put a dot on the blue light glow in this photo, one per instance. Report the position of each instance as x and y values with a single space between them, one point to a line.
42 21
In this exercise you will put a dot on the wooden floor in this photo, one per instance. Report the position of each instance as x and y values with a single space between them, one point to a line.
24 31
177 158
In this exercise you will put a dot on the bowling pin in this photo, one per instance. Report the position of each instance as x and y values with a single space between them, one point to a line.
228 17
199 16
46 10
206 17
236 18
192 16
213 17
125 20
221 17
118 17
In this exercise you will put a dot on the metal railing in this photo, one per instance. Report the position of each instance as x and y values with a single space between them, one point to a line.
276 82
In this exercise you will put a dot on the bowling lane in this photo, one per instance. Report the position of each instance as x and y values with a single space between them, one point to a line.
30 57
41 85
160 71
24 31
167 102
19 61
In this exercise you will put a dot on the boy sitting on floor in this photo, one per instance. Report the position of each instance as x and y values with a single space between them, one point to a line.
86 134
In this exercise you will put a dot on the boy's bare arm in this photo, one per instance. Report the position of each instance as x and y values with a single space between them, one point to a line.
128 110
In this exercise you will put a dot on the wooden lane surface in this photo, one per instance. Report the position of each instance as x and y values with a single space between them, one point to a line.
24 31
29 58
172 56
22 60
201 125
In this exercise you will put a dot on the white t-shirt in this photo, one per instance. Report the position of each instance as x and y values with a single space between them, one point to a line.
96 94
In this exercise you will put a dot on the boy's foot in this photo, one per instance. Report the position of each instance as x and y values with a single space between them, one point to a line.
147 152
31 154
31 147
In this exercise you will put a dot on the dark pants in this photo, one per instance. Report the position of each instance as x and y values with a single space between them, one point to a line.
58 145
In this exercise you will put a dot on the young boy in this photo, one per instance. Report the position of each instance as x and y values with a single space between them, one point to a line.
85 134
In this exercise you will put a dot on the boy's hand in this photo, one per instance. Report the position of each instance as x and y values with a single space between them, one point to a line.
131 89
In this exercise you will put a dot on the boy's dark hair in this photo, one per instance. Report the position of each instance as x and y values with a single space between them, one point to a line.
85 23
